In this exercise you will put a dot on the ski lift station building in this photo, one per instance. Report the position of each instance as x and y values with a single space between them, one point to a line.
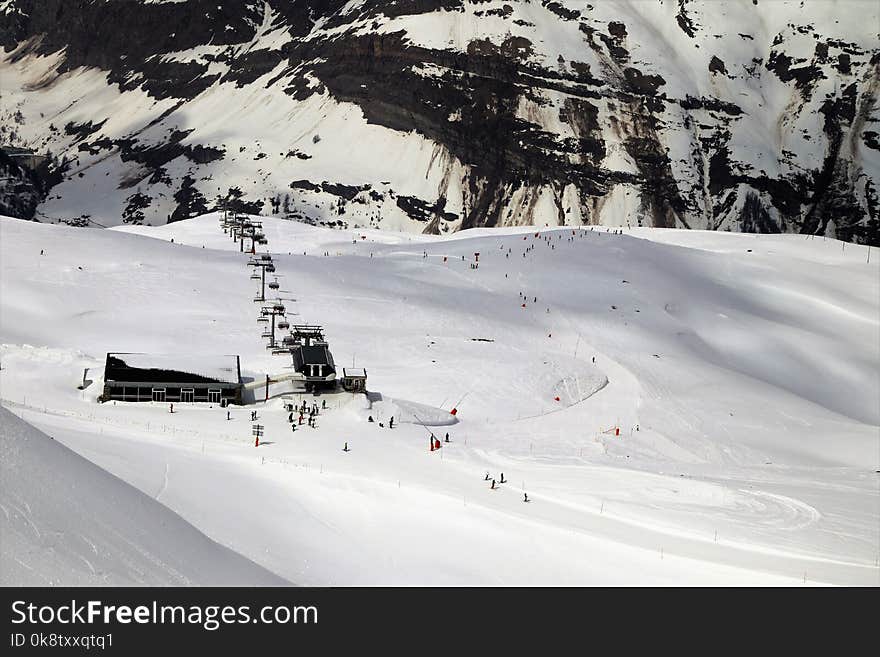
315 363
183 378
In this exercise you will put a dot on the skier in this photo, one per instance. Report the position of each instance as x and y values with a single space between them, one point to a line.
525 497
503 481
172 408
370 419
227 416
290 417
41 251
486 478
391 422
492 487
324 404
293 427
345 449
447 436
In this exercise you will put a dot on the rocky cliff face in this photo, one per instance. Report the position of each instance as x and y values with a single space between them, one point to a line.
437 115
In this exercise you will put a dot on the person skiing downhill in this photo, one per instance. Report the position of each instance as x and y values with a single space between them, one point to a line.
391 422
492 487
447 437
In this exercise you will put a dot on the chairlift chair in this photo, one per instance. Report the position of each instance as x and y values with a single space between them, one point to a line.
273 285
283 325
267 334
270 268
266 257
255 276
263 320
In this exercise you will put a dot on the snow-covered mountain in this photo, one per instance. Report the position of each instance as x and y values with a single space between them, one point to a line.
437 115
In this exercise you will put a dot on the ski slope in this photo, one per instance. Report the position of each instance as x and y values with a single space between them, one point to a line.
741 371
68 522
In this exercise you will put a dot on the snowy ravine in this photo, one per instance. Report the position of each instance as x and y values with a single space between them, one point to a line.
437 115
742 371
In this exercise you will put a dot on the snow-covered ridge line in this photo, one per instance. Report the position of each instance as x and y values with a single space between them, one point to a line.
68 522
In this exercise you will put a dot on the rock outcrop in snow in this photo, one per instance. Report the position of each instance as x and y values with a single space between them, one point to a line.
437 115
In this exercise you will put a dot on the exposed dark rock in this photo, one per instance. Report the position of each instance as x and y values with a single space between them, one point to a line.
420 210
717 66
190 201
135 204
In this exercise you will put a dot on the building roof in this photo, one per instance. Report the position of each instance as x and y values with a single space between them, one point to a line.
172 368
313 355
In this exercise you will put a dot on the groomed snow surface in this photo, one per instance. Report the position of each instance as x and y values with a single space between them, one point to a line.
742 371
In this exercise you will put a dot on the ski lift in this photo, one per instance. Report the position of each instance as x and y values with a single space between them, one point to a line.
288 341
278 308
270 268
262 320
273 285
255 276
267 334
266 257
283 325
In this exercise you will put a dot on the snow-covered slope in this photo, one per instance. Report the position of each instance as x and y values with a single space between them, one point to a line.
68 522
436 115
741 370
